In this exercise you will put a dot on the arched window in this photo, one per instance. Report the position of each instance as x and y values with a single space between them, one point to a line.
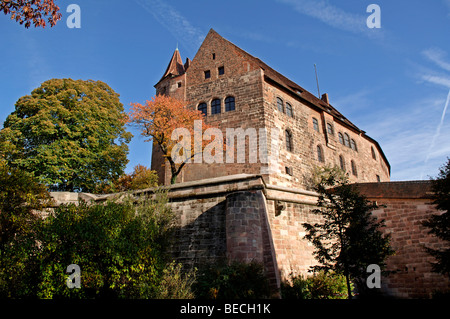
320 156
202 107
315 124
280 105
374 156
354 171
229 104
346 140
289 110
215 106
341 138
330 129
353 145
289 145
342 162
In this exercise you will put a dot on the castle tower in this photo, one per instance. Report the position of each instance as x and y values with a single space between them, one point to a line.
238 92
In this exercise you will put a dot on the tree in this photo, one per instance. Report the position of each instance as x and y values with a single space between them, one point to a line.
141 178
159 118
348 238
32 11
20 197
439 224
70 134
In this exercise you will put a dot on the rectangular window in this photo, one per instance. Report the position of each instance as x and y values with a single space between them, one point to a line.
289 170
221 70
229 104
207 74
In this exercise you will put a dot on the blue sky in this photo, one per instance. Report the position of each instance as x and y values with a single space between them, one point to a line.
392 82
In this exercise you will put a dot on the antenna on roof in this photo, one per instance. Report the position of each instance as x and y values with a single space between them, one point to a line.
317 81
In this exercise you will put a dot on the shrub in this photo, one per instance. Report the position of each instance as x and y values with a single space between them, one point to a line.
119 246
234 281
319 286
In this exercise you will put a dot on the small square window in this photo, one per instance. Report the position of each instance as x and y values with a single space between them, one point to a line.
221 70
289 170
207 74
179 84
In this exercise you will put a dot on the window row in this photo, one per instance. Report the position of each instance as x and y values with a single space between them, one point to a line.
216 106
285 107
320 153
220 71
344 139
344 168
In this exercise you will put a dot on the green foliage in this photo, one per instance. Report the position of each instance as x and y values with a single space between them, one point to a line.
348 238
234 281
141 178
175 283
120 248
321 285
439 224
20 196
70 134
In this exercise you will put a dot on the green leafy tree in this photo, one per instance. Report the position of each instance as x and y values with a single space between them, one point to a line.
439 224
348 238
70 134
20 197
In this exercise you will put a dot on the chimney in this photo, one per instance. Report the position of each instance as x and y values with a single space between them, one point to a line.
325 98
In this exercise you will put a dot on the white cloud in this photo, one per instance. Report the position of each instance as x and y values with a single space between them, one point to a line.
334 16
189 36
439 80
437 56
407 135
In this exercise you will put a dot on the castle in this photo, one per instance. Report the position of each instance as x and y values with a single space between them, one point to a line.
237 90
253 210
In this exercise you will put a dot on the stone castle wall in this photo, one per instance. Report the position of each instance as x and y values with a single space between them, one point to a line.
240 217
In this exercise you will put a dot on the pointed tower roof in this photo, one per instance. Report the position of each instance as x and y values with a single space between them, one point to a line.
175 66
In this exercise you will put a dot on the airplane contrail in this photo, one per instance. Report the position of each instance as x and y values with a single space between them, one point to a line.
438 131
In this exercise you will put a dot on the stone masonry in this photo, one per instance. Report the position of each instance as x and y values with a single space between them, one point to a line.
242 218
265 99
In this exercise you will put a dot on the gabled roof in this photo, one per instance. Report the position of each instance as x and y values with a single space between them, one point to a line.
291 86
299 92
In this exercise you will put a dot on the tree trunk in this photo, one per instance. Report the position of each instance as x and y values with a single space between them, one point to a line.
349 288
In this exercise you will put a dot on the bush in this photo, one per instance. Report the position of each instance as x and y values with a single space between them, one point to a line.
175 283
120 248
234 281
319 286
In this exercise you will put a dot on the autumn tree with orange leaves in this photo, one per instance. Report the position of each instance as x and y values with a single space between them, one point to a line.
31 11
162 119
